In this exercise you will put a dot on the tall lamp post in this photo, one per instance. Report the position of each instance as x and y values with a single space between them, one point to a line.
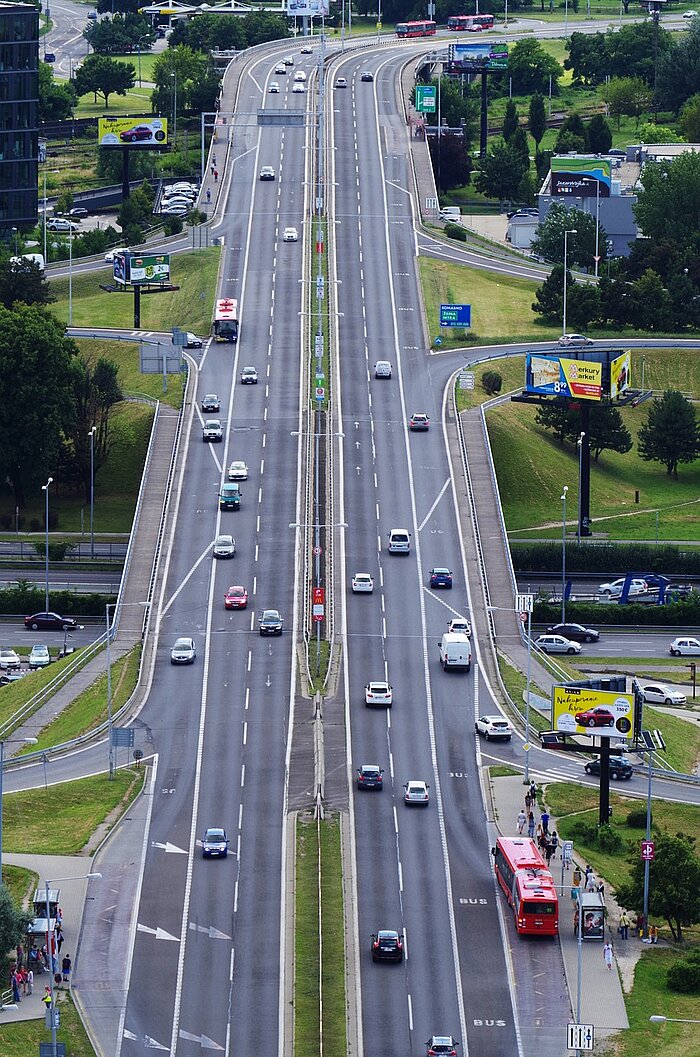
19 741
49 951
173 78
563 554
70 277
570 231
91 435
138 46
45 490
113 605
53 172
580 467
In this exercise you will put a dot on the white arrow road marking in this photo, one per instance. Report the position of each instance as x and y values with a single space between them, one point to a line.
211 932
152 1044
204 1042
160 934
130 1035
169 848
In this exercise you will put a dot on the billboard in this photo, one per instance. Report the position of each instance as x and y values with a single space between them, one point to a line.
602 713
581 177
132 131
307 7
620 374
129 268
561 376
479 56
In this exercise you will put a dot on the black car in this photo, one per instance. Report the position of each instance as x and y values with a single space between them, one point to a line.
619 768
215 842
49 622
575 632
369 776
49 56
387 946
77 213
211 402
552 739
270 622
367 75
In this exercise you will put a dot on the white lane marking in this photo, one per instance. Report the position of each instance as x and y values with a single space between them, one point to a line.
245 733
250 660
430 512
242 775
185 581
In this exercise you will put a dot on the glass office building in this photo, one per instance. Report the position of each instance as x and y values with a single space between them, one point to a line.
19 115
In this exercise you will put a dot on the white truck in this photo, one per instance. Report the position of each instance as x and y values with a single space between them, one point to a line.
455 652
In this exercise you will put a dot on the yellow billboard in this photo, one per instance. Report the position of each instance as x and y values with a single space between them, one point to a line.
620 374
129 131
561 376
603 713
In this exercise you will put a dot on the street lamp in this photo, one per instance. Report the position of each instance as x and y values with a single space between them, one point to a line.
16 233
113 605
570 231
49 950
19 741
580 466
658 1019
70 277
45 489
138 45
563 553
173 78
91 435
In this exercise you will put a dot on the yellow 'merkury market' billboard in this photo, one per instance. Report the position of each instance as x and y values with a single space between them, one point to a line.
603 713
132 131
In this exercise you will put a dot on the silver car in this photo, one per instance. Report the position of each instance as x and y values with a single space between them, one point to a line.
183 652
224 546
39 657
557 644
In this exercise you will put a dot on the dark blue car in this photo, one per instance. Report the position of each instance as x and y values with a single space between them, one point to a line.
440 578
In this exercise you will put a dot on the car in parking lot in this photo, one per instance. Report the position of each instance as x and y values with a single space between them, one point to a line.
419 422
249 376
236 598
290 235
493 727
77 213
440 577
39 656
379 695
211 402
224 546
270 622
9 659
366 75
62 224
614 587
273 88
689 14
238 471
382 369
370 776
619 768
215 843
441 1046
192 342
567 340
595 717
267 173
685 647
415 793
341 82
658 694
49 622
212 431
183 652
575 632
362 583
557 644
387 946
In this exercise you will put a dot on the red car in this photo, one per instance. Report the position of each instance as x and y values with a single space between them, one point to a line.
595 717
139 132
236 598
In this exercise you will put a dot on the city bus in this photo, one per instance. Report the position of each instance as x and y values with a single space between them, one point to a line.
528 884
416 29
225 326
470 23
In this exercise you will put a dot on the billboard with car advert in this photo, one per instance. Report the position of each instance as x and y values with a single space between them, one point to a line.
581 177
561 376
473 58
620 372
307 7
132 131
602 713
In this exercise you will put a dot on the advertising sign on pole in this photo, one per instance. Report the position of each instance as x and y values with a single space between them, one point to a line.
154 268
620 374
477 57
562 376
307 7
132 131
603 713
455 315
318 600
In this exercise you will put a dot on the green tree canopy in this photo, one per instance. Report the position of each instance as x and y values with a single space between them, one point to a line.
689 119
674 883
549 238
103 76
668 205
537 118
56 98
606 429
627 96
119 34
671 434
598 135
13 922
501 171
23 281
530 68
510 120
95 392
679 68
451 162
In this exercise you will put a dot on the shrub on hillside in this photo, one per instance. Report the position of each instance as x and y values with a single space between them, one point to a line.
456 231
607 558
637 819
492 382
684 975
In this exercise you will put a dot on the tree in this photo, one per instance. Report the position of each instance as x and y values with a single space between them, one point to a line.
679 68
510 120
451 163
689 119
549 237
13 922
35 379
103 76
629 96
557 417
674 883
671 434
23 281
549 301
530 68
607 430
120 34
572 136
651 306
518 142
537 118
582 305
598 135
668 205
179 66
501 171
95 392
526 189
56 98
587 58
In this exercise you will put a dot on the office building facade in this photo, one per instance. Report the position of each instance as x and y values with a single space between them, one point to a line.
19 115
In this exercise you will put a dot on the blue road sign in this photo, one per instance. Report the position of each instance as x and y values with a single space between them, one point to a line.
455 315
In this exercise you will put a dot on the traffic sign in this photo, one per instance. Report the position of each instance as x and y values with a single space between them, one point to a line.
426 98
320 392
317 551
647 851
579 1036
524 603
466 379
455 315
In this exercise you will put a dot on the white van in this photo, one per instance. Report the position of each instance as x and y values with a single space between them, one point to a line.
399 541
451 213
300 76
455 652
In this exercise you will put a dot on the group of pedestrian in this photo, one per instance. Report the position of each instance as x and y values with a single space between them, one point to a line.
547 842
21 981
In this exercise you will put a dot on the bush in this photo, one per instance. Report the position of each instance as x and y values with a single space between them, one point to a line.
492 382
456 231
172 225
637 819
607 558
605 838
23 599
685 613
684 976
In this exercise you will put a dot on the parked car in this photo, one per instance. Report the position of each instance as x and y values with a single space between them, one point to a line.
440 577
215 843
685 647
419 423
183 652
595 717
39 657
379 694
415 793
49 622
654 693
270 622
575 632
493 727
62 224
236 598
9 659
614 588
369 776
557 644
574 339
387 946
619 768
78 213
362 583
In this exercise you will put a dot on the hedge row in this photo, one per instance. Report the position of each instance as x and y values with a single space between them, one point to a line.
67 603
685 613
605 558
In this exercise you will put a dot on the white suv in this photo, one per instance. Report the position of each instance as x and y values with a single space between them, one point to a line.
493 727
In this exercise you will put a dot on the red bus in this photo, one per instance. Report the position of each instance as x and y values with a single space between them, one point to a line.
470 23
529 886
416 29
225 325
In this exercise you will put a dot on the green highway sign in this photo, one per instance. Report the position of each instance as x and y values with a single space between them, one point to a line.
426 98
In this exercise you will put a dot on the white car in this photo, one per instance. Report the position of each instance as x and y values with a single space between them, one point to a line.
689 14
224 546
493 727
416 793
300 76
212 431
298 89
273 88
382 369
614 588
362 583
557 644
238 471
281 69
183 652
380 695
267 173
288 60
460 625
341 82
39 657
61 224
249 376
685 647
109 255
660 694
9 659
567 340
290 235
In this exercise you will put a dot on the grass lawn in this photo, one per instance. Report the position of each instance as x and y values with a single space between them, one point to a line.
137 101
651 995
126 355
15 695
20 883
61 819
22 1038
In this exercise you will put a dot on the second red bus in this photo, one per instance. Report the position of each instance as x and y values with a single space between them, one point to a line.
470 23
416 29
529 886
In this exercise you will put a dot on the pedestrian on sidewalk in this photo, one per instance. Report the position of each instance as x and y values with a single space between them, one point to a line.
66 967
639 924
208 195
213 158
591 883
23 980
59 938
624 924
608 956
531 826
46 998
545 822
554 841
600 889
548 851
653 934
216 176
30 981
212 169
587 873
533 793
14 981
577 877
528 802
522 820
